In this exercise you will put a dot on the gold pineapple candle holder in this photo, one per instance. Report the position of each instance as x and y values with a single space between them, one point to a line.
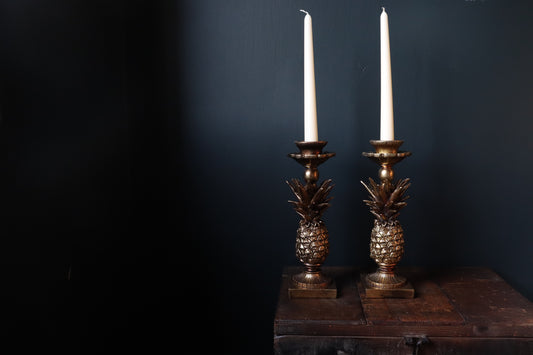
312 239
386 198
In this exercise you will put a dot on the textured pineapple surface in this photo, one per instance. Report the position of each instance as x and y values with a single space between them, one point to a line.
386 242
312 244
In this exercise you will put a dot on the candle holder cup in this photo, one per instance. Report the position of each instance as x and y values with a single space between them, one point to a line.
312 238
386 198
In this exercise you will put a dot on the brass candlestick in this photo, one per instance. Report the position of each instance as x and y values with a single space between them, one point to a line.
312 240
387 242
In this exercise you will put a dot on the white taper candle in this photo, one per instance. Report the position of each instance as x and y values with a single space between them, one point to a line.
310 119
387 113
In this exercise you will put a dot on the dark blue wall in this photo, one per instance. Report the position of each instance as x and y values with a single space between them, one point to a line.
143 148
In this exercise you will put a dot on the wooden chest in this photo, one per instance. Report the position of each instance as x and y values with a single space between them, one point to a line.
455 311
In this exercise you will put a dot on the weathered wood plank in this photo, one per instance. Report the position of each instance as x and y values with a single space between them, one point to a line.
488 303
346 307
430 306
463 302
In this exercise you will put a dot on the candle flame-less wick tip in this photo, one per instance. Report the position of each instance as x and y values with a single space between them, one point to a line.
305 12
383 8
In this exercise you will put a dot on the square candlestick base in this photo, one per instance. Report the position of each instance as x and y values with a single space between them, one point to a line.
405 291
329 292
312 284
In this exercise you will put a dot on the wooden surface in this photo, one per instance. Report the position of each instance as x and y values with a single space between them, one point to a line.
461 308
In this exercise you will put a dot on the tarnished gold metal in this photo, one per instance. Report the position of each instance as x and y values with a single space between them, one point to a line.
386 242
386 155
311 157
312 240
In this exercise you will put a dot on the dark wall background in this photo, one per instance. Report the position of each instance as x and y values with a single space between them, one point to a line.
143 157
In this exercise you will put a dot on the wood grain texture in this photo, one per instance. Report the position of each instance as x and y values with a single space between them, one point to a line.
460 308
345 308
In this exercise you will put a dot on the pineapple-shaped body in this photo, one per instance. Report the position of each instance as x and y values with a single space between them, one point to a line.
386 242
386 200
312 241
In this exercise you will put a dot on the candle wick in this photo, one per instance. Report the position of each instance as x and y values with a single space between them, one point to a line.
305 12
383 8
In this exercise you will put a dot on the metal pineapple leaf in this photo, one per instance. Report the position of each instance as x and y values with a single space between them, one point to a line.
386 199
312 201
